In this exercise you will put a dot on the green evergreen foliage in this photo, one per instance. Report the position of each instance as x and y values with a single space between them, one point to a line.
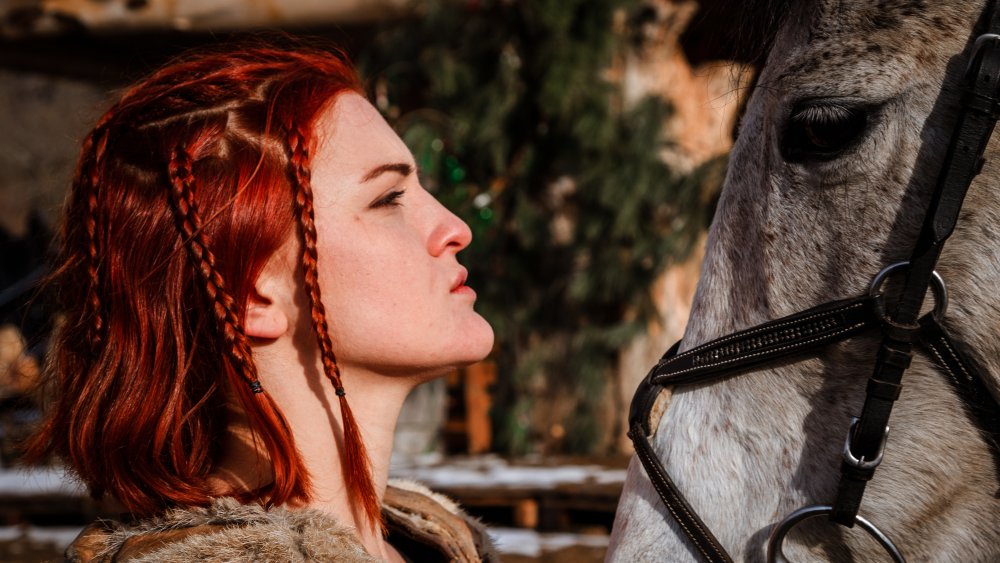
515 126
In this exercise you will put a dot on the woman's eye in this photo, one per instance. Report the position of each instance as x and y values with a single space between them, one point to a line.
822 132
390 199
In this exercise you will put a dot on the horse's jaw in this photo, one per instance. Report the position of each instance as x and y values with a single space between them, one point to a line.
744 451
748 451
731 478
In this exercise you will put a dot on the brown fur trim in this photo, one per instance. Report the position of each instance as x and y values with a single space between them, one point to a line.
229 531
224 531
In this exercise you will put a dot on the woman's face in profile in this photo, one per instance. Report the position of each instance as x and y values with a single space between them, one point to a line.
394 291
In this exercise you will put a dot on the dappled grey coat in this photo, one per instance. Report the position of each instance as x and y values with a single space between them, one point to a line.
424 526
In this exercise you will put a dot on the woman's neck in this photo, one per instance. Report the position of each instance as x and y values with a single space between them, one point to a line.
312 409
315 419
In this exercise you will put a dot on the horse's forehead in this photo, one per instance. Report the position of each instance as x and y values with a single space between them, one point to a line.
846 18
856 46
878 15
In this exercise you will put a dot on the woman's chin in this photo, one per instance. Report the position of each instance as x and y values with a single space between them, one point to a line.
481 340
475 346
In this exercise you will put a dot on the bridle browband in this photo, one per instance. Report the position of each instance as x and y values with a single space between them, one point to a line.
903 332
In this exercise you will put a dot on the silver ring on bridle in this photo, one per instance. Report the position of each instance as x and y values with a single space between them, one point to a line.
937 285
777 537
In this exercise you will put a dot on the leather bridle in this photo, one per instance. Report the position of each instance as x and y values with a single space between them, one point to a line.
903 332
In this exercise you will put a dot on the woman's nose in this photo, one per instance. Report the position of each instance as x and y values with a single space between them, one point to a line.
450 234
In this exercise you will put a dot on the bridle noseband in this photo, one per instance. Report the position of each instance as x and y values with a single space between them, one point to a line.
903 332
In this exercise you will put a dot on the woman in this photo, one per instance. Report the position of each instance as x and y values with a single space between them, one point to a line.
253 280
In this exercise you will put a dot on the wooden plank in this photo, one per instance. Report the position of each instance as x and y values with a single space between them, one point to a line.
478 379
526 514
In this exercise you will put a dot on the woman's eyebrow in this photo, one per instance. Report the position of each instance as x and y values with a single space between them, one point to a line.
401 168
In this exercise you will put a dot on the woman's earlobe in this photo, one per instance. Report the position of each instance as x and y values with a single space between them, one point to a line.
265 320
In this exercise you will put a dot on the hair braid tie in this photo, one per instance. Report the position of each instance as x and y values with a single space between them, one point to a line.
189 223
356 465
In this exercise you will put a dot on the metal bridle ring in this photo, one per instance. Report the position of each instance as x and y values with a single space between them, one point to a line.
937 285
777 537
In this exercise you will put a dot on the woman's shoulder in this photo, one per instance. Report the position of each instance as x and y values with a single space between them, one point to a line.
423 525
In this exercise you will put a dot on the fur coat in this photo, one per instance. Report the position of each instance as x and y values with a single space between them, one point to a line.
423 526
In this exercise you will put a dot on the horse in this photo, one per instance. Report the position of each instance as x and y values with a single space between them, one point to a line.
831 174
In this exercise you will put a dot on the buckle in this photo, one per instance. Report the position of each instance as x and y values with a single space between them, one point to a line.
862 463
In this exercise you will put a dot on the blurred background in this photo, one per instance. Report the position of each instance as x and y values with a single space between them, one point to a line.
585 143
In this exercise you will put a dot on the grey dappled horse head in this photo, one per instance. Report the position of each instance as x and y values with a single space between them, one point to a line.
835 162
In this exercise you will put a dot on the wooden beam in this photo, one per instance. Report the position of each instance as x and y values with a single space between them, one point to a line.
100 17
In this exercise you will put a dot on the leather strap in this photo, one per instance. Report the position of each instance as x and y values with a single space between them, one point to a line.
963 161
639 431
685 516
807 330
968 382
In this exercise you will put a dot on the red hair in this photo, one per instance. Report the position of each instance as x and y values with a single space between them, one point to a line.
183 191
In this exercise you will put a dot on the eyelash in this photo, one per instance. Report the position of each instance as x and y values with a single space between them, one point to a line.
390 200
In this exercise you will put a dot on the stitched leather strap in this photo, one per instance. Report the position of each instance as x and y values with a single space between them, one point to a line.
639 431
685 516
692 526
967 380
807 330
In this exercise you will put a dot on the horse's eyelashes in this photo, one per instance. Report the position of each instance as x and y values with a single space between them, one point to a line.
822 131
822 113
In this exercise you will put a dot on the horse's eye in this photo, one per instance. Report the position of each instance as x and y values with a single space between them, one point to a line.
822 132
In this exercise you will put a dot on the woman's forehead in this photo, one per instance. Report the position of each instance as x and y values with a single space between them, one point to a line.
353 138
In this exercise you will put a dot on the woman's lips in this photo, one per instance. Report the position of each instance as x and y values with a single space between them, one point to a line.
459 287
463 290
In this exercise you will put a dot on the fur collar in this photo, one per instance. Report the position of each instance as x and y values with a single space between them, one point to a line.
423 525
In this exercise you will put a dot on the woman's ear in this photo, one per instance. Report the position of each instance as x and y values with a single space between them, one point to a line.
265 319
271 308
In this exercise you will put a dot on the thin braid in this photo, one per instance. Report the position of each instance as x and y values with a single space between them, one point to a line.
310 256
88 178
223 305
356 466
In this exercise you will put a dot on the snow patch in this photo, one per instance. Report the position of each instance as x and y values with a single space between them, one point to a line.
39 481
528 543
491 471
57 536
